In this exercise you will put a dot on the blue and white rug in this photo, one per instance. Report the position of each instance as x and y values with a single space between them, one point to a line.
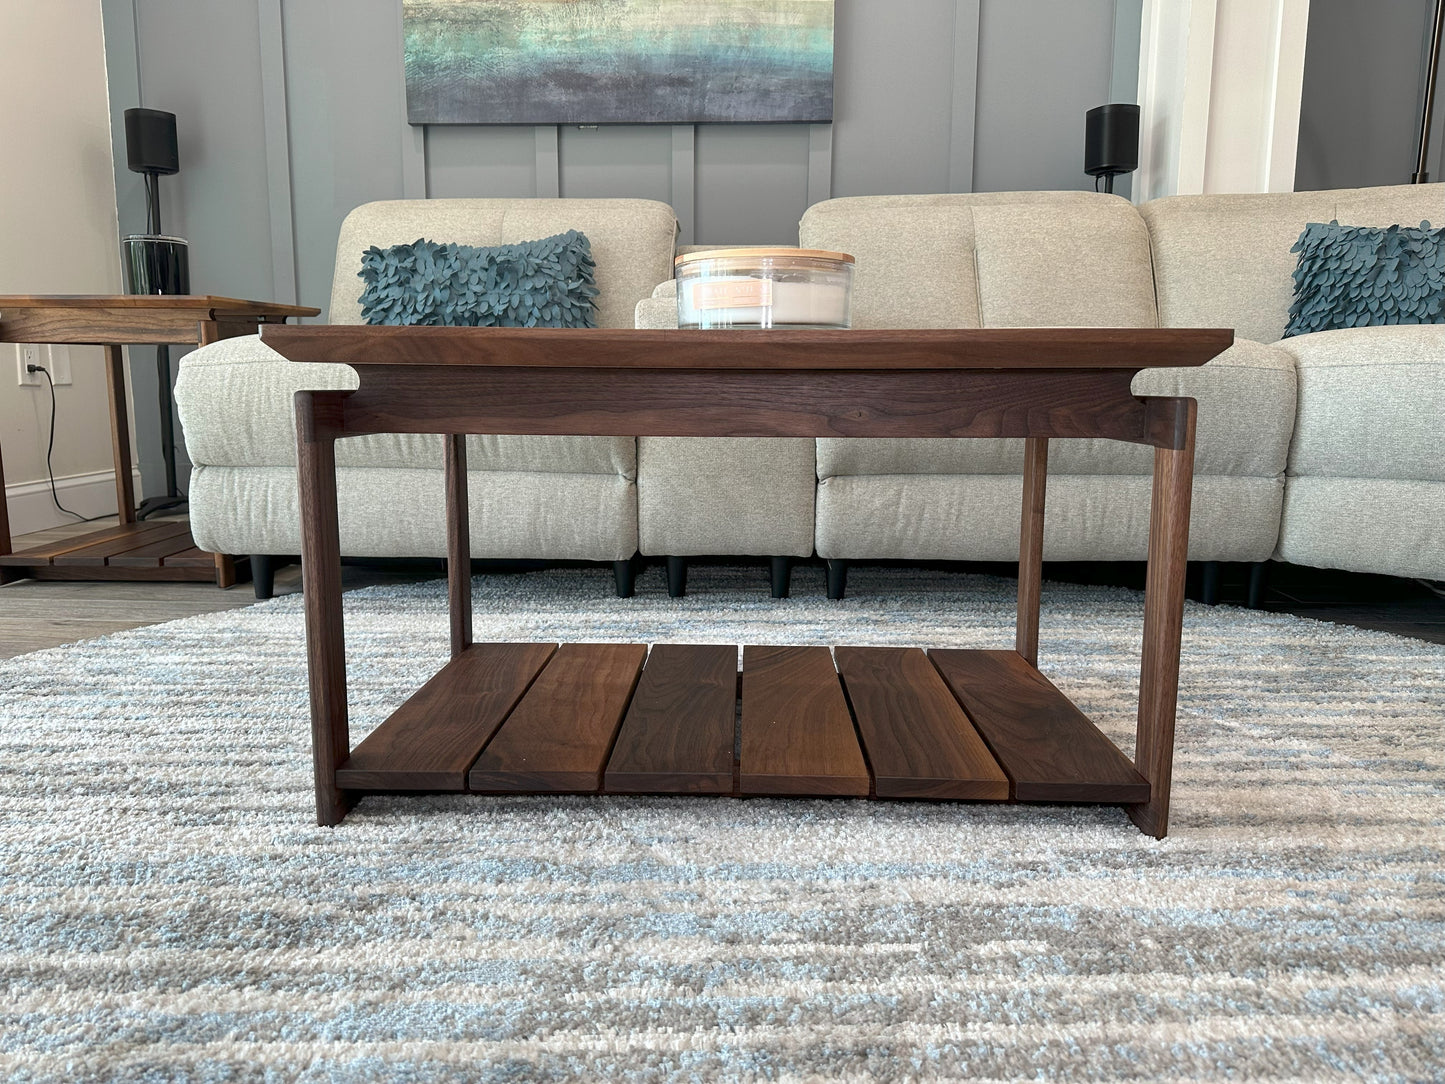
169 910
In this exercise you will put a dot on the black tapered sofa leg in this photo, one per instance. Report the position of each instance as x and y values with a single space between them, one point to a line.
1258 578
625 573
263 575
1209 584
781 574
676 577
837 578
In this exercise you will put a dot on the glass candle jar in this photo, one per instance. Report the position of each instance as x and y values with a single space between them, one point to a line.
764 288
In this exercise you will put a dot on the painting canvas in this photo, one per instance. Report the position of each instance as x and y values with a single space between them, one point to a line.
618 61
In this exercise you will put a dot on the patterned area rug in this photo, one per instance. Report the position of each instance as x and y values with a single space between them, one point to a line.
170 911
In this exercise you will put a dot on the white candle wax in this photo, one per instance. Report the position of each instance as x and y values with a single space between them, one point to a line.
743 301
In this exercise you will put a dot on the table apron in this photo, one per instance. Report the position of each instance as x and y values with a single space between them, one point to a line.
751 403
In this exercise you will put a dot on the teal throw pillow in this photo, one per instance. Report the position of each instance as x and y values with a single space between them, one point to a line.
544 283
1364 276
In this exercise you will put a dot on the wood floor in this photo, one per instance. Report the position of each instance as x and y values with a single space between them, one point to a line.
35 615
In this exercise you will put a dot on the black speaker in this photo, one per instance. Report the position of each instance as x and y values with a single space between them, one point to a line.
150 141
1111 140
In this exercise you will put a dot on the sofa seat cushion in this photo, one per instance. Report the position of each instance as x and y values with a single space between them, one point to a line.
1246 411
1087 518
399 512
235 401
1371 403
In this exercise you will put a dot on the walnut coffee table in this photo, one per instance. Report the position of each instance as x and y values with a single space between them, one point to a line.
618 719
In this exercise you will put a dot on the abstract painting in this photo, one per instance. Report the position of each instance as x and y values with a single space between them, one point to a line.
618 61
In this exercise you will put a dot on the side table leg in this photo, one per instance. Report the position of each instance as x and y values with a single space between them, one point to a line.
1164 616
317 418
459 547
6 574
1031 548
119 434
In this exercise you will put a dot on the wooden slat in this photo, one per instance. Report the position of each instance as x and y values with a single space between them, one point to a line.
46 552
150 554
1048 747
919 742
102 551
431 741
797 734
143 549
559 737
190 558
679 732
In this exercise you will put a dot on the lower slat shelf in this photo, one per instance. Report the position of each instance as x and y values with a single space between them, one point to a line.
611 718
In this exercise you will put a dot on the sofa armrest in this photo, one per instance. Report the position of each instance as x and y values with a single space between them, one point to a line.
1247 398
235 399
659 310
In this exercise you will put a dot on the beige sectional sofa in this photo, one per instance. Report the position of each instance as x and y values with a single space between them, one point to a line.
1320 450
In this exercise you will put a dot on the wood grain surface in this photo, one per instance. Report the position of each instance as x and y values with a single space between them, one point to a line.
558 738
1050 750
679 734
120 319
622 348
797 733
747 402
1164 617
431 741
919 742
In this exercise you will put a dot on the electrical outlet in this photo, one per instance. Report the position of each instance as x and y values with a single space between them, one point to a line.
28 354
55 360
58 363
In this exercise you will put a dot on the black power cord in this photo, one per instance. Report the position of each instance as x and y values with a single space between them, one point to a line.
50 448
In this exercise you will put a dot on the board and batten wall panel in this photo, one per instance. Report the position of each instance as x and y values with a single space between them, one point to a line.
1026 128
893 95
345 121
930 96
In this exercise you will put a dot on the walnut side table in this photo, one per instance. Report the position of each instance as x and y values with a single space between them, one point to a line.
864 721
129 550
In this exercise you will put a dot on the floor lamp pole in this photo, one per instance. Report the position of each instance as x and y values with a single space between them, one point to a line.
1432 71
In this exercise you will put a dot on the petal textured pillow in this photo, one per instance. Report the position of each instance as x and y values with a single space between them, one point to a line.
1363 276
543 283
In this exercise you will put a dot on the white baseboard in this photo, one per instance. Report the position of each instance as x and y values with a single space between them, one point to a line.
32 509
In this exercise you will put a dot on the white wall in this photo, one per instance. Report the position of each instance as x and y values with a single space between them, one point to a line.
58 234
1219 93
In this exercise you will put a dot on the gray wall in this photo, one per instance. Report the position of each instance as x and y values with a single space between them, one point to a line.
289 114
1365 68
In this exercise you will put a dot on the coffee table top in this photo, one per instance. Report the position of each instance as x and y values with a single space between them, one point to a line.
911 349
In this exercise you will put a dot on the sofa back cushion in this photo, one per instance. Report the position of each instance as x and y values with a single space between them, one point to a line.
990 259
1225 261
631 240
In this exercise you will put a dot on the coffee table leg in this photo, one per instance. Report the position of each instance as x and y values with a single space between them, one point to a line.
1164 614
459 548
317 422
1031 548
